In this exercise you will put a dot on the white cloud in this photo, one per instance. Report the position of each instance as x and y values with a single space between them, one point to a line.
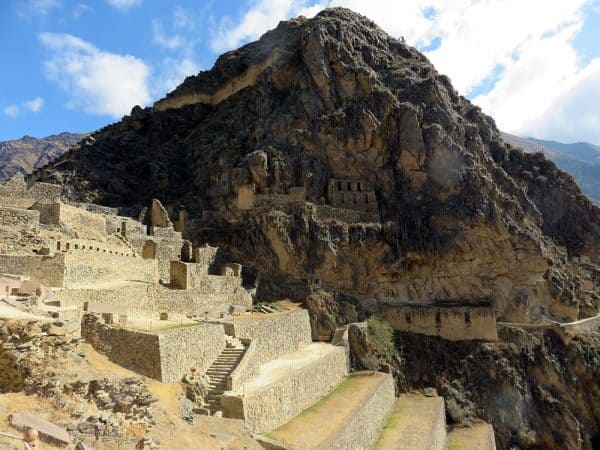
34 105
573 115
523 49
124 4
161 38
12 111
80 9
27 9
96 81
264 15
15 110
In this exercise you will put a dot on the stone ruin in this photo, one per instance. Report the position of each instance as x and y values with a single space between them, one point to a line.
134 283
348 200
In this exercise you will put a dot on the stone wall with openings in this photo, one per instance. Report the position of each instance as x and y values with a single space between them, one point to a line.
455 323
352 194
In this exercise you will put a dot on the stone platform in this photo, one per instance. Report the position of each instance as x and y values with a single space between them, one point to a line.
418 422
352 415
478 437
286 386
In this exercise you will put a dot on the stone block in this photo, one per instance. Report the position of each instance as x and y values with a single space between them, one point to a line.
24 420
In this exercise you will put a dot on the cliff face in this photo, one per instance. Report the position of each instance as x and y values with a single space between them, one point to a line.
29 153
464 216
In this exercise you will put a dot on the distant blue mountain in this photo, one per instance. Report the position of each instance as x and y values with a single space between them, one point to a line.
581 159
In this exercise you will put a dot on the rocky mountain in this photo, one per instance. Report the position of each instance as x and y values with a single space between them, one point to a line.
29 153
581 159
463 215
447 211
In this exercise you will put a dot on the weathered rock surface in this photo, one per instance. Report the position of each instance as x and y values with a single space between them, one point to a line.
538 392
464 215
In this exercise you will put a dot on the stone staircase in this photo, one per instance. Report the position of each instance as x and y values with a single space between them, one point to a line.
220 370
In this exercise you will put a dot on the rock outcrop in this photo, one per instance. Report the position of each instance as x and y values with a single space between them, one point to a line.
463 215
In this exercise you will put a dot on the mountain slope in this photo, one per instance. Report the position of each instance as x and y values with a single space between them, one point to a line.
581 159
465 217
29 153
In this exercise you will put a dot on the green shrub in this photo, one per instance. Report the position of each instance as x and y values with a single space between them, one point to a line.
381 336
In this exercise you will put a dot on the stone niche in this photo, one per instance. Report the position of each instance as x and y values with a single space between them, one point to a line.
352 194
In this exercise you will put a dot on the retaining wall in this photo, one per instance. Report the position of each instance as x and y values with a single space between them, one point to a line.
274 335
16 187
48 270
84 223
166 355
20 219
324 212
135 350
270 407
363 428
183 348
97 267
148 300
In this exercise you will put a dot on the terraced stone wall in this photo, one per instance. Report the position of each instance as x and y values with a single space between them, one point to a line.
147 300
166 355
48 270
191 346
94 267
274 335
266 409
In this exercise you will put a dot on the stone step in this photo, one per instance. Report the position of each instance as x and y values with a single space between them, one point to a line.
218 378
479 436
351 416
416 422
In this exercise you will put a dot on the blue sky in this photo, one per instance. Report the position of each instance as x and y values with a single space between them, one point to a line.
77 65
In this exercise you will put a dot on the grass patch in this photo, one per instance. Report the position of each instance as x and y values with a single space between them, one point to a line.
342 386
453 446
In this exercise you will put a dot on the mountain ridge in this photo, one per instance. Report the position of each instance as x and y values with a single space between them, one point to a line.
28 153
580 159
